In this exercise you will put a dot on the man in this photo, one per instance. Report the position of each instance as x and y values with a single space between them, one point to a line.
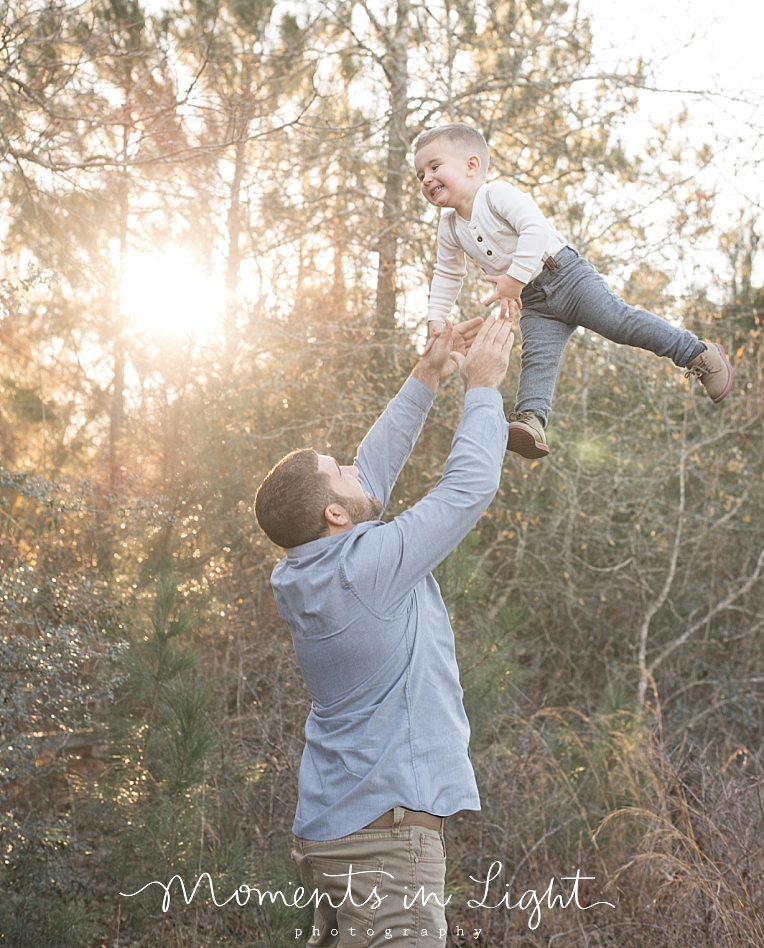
387 740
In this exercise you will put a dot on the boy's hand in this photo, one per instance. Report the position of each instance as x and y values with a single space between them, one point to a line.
508 290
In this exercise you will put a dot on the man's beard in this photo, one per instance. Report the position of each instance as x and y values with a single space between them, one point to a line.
362 509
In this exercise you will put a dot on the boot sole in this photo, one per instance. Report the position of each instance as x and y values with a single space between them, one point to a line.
522 442
728 389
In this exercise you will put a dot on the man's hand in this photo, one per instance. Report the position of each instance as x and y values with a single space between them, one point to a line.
468 330
466 333
436 364
508 290
486 363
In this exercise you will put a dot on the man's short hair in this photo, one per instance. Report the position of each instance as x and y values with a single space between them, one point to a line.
459 134
290 502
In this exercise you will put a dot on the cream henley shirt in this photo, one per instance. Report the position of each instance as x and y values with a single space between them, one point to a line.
515 238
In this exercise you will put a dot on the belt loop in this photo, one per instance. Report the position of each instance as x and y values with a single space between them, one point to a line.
398 816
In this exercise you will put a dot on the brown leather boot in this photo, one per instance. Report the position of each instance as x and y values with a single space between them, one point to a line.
526 435
714 371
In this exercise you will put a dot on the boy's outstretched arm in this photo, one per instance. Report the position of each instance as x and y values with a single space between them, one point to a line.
447 278
508 290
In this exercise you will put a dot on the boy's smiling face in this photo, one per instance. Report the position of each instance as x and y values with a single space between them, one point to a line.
449 175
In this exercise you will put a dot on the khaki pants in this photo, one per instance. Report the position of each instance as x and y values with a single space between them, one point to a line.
393 895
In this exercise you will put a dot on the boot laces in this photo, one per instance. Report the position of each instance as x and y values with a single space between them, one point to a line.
698 371
527 415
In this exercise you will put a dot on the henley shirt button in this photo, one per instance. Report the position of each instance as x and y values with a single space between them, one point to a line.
480 238
490 253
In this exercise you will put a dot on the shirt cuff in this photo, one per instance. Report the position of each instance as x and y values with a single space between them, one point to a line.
484 396
417 392
521 273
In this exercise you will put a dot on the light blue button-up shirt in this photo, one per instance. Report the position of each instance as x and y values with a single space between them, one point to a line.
371 632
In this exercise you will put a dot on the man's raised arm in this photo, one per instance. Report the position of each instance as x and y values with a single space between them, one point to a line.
387 562
387 446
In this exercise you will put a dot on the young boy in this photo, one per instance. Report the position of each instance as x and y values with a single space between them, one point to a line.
505 233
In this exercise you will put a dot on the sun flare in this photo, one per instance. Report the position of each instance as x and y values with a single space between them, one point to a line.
170 294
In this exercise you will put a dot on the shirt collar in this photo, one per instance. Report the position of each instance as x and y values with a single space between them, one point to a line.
477 203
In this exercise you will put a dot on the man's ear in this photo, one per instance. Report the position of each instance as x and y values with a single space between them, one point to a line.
474 164
336 516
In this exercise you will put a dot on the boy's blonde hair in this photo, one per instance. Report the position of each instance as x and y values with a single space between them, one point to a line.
459 134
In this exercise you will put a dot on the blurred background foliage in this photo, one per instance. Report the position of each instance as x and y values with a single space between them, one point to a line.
214 252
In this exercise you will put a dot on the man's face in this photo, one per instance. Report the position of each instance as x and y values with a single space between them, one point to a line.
346 484
445 174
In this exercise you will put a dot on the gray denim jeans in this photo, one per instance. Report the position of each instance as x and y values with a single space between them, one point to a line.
558 301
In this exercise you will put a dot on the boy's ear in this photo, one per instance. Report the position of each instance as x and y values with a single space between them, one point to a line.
474 165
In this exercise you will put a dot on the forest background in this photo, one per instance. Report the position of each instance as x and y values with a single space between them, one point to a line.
214 252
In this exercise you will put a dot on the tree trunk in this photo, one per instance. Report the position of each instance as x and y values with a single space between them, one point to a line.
234 256
398 140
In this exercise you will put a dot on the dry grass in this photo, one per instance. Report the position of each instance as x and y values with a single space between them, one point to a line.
678 850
